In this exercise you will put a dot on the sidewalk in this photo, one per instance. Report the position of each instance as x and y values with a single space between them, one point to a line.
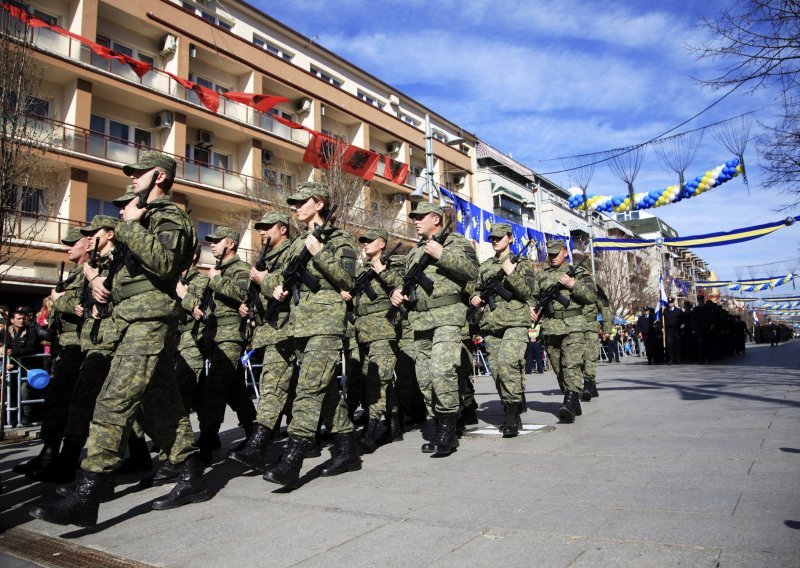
694 465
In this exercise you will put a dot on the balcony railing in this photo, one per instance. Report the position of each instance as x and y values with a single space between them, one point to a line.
36 228
47 40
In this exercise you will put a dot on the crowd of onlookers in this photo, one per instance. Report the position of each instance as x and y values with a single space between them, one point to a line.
24 343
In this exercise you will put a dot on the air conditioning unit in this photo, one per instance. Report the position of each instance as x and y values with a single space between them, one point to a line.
205 139
303 105
168 44
163 119
266 157
394 100
393 147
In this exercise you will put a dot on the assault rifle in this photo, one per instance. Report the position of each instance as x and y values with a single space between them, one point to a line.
61 285
415 276
493 287
206 299
297 273
85 300
103 311
553 294
253 300
363 284
144 195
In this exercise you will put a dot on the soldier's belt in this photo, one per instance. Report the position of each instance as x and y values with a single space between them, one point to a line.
130 289
323 285
379 306
226 320
423 304
564 314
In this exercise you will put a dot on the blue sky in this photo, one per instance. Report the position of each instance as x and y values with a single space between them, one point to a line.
544 79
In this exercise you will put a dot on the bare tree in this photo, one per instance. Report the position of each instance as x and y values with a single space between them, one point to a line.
24 131
759 41
625 277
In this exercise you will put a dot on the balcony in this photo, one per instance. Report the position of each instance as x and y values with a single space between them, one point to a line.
34 228
51 42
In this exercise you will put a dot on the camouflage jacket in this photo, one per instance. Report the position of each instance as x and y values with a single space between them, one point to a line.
371 323
512 313
265 334
572 318
67 323
191 329
161 246
107 339
451 274
229 291
322 313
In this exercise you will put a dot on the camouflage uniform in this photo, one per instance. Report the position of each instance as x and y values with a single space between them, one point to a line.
505 329
278 361
564 331
141 383
224 344
437 321
318 324
190 360
592 343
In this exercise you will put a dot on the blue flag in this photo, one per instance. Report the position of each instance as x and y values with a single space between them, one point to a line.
487 223
520 234
474 223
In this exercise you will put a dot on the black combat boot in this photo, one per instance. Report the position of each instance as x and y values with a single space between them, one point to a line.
287 472
589 390
248 431
393 431
368 441
427 447
191 488
68 489
207 442
346 456
469 415
138 459
80 506
446 440
570 408
167 472
254 453
46 458
63 470
513 423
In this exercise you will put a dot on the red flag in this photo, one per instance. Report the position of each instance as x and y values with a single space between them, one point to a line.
360 162
289 123
139 67
395 171
322 151
23 16
208 97
259 102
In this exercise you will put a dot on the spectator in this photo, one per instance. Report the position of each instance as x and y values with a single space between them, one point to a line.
534 357
20 340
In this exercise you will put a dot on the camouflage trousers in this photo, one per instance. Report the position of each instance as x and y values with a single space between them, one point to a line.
507 350
591 349
224 384
55 409
378 359
91 377
466 388
275 384
438 357
566 354
409 398
189 366
317 394
140 386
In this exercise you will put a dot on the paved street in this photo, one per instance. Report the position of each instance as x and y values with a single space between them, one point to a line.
682 465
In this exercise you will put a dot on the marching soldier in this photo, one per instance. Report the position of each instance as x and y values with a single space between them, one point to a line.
224 344
68 359
564 327
318 326
505 329
159 238
437 319
278 361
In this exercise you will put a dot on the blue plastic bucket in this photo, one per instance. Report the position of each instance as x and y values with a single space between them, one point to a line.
38 378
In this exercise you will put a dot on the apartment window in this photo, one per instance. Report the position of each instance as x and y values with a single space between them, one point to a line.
278 179
120 130
439 135
405 118
205 228
26 200
272 48
281 113
326 77
208 16
369 99
52 20
208 157
125 50
207 83
38 107
100 207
